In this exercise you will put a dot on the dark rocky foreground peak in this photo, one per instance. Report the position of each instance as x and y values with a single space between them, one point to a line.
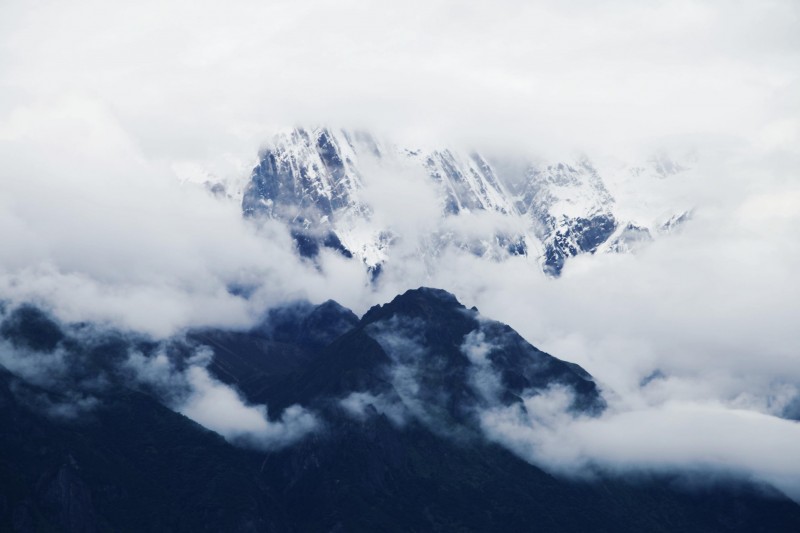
423 303
399 446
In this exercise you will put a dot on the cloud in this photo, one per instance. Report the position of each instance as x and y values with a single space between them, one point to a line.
194 392
709 313
98 232
483 377
209 82
360 405
676 437
220 408
100 110
67 406
102 107
401 339
86 362
676 427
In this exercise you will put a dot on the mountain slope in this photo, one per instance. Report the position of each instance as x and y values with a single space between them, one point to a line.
322 183
402 450
132 465
399 447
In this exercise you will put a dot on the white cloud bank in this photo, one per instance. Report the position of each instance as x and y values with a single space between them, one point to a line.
711 440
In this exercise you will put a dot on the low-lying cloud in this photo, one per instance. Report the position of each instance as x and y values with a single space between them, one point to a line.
220 408
699 440
194 392
72 377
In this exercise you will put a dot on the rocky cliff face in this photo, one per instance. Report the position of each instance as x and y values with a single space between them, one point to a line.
318 181
569 207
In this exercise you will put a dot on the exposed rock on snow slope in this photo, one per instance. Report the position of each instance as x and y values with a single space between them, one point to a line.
330 187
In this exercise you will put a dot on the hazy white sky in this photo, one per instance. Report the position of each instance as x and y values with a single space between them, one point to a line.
206 80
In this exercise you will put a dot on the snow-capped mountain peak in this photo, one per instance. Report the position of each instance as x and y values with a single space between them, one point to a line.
318 181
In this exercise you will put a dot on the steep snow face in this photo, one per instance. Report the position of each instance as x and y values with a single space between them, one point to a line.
320 182
467 182
306 177
311 180
570 209
317 181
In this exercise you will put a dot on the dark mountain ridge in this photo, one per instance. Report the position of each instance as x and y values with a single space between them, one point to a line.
90 446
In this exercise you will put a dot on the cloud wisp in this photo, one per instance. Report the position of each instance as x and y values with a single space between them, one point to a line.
194 392
82 364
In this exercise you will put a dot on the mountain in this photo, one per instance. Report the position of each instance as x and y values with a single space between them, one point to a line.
412 357
132 465
90 445
322 183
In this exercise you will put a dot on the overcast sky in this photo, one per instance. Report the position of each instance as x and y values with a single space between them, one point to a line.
104 106
202 80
